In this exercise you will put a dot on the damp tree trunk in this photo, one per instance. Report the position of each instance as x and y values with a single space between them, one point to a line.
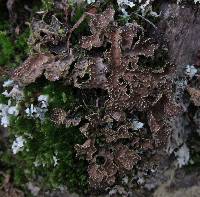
181 26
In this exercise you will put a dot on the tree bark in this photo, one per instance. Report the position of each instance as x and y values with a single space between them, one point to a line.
181 26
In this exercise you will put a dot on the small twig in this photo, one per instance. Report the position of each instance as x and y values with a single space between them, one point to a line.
84 100
145 19
76 25
97 102
6 179
85 104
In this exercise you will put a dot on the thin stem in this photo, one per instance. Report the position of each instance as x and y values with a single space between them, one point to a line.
145 19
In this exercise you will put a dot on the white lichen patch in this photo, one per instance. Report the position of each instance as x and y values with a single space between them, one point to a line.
6 111
140 181
126 2
40 109
143 7
15 93
125 180
18 144
137 125
90 1
190 71
31 111
8 83
36 112
183 156
5 121
43 100
36 163
55 161
13 110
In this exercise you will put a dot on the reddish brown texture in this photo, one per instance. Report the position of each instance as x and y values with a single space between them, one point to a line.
195 95
38 64
31 69
131 88
125 158
129 32
58 116
103 174
121 133
98 25
87 149
61 117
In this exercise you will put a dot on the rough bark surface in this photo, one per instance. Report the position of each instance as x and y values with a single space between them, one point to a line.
181 26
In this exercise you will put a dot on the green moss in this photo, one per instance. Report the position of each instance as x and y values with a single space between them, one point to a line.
47 5
13 47
60 95
21 48
12 52
23 125
3 99
47 141
4 25
1 179
19 177
44 141
6 48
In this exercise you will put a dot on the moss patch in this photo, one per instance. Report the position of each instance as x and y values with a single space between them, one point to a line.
46 142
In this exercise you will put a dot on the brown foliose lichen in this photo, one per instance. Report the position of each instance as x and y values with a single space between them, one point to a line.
131 90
